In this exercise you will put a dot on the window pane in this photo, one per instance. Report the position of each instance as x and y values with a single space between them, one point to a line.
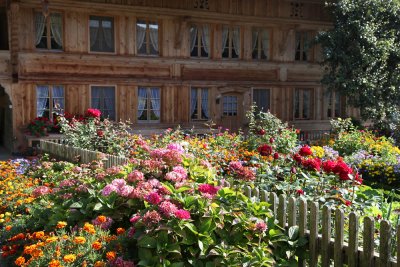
103 98
101 34
297 104
306 104
262 99
149 103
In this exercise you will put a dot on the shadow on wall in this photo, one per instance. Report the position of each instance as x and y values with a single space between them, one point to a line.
6 134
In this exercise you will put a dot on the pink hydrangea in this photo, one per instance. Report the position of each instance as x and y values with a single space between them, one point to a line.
126 190
261 226
172 157
235 165
108 189
135 176
167 208
208 190
118 183
174 177
41 190
68 183
182 214
151 217
181 170
158 153
153 198
175 146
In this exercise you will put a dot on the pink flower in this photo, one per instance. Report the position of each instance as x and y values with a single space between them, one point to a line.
348 203
176 147
261 226
182 214
131 232
135 218
126 190
181 170
153 198
235 165
118 183
151 217
93 113
297 158
108 189
68 183
305 151
135 176
103 225
167 208
41 190
208 189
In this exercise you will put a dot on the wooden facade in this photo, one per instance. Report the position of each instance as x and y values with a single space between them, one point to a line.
172 70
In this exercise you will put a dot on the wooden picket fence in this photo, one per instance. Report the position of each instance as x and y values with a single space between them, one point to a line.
58 149
326 249
313 135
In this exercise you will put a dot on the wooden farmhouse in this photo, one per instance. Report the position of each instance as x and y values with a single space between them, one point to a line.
162 63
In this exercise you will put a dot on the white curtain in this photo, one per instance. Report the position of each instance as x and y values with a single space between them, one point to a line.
265 43
107 27
255 39
206 38
109 102
40 23
42 98
155 101
140 34
96 95
58 99
204 102
193 101
56 28
141 101
193 37
154 35
236 40
225 31
94 31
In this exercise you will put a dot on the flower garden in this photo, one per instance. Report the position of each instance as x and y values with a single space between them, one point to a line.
179 201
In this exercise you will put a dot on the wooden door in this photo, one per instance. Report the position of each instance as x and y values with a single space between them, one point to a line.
232 111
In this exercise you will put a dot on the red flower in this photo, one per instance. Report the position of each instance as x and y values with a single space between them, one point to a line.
265 150
358 179
153 198
297 158
100 133
305 151
208 189
271 140
276 155
93 113
328 166
261 132
300 191
343 170
348 203
182 214
312 164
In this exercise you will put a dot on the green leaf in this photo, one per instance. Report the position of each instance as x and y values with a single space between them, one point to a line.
205 225
76 205
145 254
98 207
200 245
147 242
293 232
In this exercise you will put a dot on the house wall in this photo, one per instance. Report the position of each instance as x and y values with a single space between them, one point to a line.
174 71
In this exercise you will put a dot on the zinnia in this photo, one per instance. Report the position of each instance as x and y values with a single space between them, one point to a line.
96 245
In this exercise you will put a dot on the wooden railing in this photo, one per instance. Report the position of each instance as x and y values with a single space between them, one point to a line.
58 149
314 135
317 225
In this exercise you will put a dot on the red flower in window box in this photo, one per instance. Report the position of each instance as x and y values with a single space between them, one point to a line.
305 151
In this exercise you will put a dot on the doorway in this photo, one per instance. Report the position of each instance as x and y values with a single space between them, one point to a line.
232 111
6 132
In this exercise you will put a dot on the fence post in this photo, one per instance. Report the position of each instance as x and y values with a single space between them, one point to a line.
353 240
282 211
339 233
326 236
314 221
302 225
292 212
368 242
273 199
384 244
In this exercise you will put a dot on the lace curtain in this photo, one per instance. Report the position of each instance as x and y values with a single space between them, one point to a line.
236 40
40 24
108 33
193 37
193 101
255 39
58 99
153 29
265 42
94 31
141 101
206 38
155 101
109 102
225 31
42 99
140 34
204 102
56 27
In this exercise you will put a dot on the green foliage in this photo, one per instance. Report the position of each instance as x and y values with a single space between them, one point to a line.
362 56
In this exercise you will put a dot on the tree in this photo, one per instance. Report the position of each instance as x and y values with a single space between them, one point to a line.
362 56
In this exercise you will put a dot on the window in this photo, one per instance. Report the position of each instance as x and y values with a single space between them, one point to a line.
149 103
199 41
230 105
49 31
303 103
261 97
49 101
199 107
334 105
230 42
303 46
3 29
101 34
260 44
103 99
147 37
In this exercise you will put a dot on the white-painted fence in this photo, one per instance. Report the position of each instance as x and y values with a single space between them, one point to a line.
324 248
58 149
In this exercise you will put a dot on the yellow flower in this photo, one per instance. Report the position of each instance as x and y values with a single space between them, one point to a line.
54 263
69 258
51 239
79 240
99 264
61 225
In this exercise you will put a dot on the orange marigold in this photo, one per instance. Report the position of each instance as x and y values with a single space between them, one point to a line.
69 258
89 228
54 263
99 264
111 255
101 218
51 239
8 227
36 253
96 245
19 261
120 231
79 240
61 225
38 235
